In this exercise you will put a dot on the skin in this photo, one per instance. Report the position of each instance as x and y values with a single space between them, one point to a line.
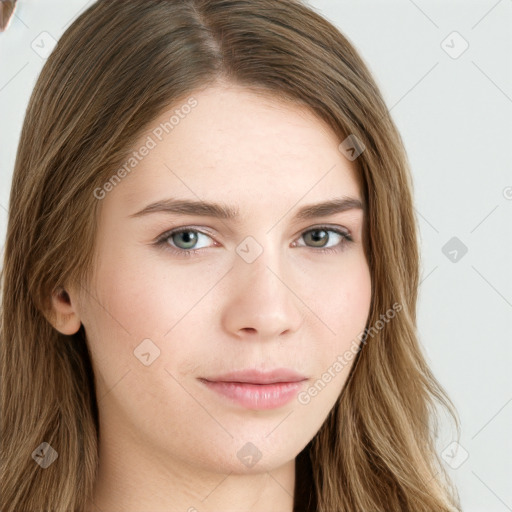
168 442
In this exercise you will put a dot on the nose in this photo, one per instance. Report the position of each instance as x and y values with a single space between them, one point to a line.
262 302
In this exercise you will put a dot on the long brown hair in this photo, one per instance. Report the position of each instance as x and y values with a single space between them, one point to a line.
119 65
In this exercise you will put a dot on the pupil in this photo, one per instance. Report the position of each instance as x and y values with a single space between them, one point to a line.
318 235
188 237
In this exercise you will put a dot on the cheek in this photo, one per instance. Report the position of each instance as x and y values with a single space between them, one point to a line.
342 301
137 298
354 300
146 295
123 308
340 295
343 304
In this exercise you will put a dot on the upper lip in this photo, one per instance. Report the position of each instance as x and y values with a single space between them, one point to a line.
254 376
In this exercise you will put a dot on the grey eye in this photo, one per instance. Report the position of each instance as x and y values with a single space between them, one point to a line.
185 238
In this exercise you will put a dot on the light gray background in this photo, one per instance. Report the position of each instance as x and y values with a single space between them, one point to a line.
455 117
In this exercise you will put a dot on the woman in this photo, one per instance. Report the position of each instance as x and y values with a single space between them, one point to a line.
268 360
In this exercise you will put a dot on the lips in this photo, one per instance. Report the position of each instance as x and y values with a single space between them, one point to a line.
254 376
255 389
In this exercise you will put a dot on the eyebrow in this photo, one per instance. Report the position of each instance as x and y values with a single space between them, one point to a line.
222 211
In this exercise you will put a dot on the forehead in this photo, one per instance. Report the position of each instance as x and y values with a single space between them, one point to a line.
240 147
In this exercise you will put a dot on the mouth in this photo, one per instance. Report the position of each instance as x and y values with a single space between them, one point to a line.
254 389
254 376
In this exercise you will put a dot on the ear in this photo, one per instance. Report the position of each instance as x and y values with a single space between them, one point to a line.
64 316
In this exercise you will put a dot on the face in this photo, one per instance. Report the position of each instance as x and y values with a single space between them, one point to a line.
266 289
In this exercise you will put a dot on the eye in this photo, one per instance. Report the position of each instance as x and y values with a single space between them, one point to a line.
182 241
319 237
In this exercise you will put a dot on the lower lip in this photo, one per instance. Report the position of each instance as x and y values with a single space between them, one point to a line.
256 396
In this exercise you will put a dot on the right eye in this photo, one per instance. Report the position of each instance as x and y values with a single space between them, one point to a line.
181 241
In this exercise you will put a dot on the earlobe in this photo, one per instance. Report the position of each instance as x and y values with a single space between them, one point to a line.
63 314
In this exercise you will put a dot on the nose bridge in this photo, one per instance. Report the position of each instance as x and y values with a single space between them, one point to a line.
260 261
261 300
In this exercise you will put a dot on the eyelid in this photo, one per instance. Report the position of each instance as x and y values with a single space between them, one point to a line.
327 227
167 234
342 231
210 232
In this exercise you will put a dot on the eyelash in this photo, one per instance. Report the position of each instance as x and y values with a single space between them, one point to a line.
162 240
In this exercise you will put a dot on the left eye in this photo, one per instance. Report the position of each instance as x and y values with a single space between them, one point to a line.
183 241
320 235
